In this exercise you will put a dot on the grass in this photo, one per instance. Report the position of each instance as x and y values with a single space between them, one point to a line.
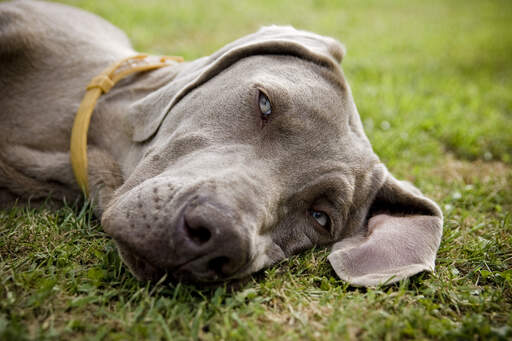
433 84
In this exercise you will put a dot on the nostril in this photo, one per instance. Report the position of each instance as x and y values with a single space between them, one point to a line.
218 265
198 234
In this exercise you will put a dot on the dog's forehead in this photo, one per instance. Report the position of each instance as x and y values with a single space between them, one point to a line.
315 117
306 97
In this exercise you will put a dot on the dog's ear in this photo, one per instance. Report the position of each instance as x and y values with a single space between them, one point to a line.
147 114
400 237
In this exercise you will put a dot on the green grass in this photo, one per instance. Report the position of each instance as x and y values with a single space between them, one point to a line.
433 84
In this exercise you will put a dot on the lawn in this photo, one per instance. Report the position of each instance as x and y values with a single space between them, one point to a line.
433 85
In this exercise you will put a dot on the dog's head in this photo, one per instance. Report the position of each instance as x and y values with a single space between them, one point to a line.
255 153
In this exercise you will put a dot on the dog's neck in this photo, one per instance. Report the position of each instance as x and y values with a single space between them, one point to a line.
111 129
99 85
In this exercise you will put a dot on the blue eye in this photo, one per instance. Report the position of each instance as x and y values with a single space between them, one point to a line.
265 106
321 218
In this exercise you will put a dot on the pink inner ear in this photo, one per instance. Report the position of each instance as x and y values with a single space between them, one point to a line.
398 239
377 220
395 247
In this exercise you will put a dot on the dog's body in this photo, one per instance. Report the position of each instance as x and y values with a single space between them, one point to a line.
210 169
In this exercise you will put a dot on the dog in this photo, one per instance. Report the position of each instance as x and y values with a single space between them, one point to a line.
211 169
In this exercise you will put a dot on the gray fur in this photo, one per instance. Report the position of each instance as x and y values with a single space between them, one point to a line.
184 174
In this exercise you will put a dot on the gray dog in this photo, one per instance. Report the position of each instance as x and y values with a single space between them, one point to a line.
211 169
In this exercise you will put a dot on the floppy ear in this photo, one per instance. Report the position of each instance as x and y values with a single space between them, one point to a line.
147 114
400 238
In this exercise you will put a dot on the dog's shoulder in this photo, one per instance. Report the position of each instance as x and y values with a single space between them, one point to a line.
49 48
15 37
37 29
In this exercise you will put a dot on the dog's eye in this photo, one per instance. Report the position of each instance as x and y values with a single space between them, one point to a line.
265 106
321 218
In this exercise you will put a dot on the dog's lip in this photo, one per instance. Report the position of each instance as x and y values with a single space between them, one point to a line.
134 261
138 258
180 272
176 271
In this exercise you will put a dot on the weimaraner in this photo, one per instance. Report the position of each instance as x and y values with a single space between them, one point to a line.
211 169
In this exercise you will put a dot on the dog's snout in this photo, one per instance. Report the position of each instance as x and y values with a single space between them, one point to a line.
214 240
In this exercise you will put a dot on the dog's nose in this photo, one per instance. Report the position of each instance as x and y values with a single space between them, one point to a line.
214 241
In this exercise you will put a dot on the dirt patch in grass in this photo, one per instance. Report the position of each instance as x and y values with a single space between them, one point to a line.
452 169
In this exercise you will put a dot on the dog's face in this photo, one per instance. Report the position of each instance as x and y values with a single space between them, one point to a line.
262 159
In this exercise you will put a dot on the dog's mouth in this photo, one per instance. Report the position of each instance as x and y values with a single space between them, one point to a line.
145 270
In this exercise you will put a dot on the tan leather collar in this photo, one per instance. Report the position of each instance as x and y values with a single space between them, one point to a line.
99 85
